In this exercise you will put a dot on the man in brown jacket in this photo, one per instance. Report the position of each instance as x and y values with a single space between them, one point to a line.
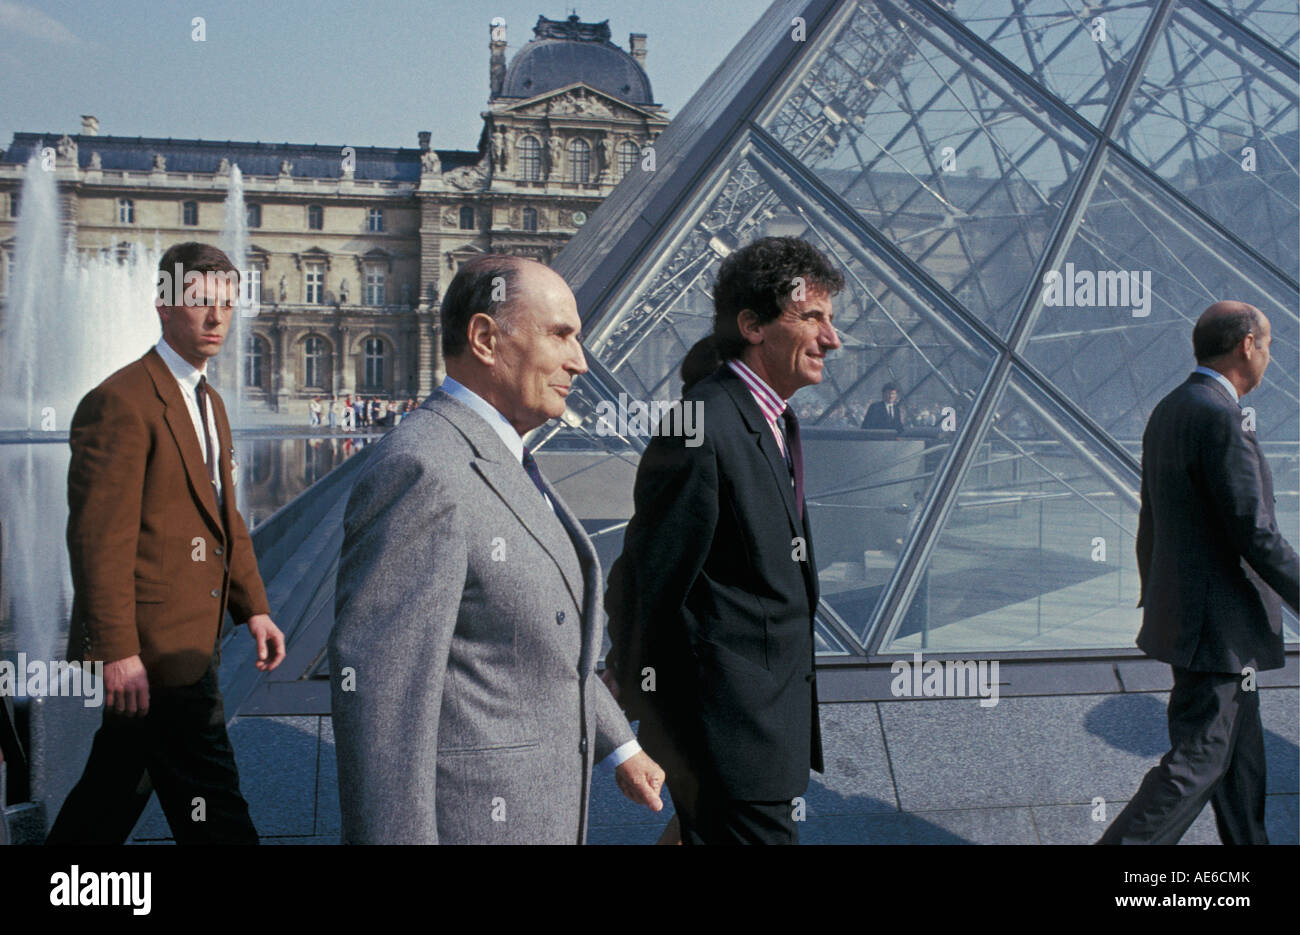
158 552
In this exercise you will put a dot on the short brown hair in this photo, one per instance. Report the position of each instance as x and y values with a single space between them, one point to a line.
191 257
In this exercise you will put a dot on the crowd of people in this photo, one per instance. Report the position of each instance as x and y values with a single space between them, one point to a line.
354 412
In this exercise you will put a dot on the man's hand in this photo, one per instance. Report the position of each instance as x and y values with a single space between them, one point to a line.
126 687
640 779
268 635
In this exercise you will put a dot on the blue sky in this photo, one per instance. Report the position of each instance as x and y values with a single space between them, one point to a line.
330 72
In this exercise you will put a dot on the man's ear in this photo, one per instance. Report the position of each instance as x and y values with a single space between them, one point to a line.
749 327
482 334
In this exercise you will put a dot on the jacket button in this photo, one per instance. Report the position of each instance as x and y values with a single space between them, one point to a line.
559 616
216 593
219 550
582 747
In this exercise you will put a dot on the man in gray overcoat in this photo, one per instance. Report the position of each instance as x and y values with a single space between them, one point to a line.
467 608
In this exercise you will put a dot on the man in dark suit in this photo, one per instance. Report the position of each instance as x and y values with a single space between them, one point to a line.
711 603
887 413
1214 571
158 552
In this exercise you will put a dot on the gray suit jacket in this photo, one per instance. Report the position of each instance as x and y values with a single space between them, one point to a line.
467 625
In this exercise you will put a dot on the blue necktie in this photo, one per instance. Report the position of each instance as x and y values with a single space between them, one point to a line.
530 465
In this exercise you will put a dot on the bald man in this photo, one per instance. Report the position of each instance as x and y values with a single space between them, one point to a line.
1214 572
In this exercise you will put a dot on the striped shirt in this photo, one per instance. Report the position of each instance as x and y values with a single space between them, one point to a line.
767 398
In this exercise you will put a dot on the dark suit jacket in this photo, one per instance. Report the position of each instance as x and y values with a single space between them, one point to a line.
1212 562
707 594
138 498
878 417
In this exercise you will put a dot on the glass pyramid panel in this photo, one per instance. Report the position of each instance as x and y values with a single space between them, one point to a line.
842 142
1037 552
1079 51
960 171
1117 361
1221 123
864 488
1275 21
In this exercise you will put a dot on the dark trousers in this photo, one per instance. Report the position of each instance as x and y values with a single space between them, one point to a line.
706 816
1216 754
181 749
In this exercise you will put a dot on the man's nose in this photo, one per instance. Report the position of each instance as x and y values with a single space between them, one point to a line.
579 362
828 338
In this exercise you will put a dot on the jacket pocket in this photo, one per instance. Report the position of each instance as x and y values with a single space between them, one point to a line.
151 592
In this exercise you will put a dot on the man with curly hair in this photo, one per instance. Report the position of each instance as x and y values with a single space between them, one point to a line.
711 603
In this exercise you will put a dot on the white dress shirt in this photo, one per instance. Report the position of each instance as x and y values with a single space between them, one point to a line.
1232 390
187 378
501 425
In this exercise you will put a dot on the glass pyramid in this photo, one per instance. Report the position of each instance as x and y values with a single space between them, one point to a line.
949 155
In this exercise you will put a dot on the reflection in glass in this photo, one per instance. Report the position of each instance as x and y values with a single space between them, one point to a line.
1038 550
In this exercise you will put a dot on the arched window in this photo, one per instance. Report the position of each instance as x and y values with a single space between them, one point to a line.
190 213
256 362
579 161
375 352
530 159
466 218
628 152
530 219
315 217
315 360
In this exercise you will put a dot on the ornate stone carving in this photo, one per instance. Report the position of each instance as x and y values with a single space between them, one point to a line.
581 103
467 178
500 148
159 162
430 164
286 168
555 154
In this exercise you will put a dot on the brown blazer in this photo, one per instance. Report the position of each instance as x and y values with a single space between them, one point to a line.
153 568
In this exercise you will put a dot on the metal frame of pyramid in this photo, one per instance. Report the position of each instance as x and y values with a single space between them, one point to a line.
1119 153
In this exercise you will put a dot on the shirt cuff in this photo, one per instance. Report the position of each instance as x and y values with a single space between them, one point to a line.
623 753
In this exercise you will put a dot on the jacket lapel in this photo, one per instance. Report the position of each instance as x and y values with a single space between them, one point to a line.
759 427
497 466
593 586
187 440
226 456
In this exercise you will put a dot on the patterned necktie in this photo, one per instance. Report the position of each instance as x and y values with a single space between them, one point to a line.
530 465
201 392
795 454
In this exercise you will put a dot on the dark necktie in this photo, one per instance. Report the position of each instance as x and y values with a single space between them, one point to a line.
201 392
794 454
530 465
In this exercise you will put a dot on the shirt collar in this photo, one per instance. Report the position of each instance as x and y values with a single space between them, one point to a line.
489 413
767 398
1232 390
185 372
